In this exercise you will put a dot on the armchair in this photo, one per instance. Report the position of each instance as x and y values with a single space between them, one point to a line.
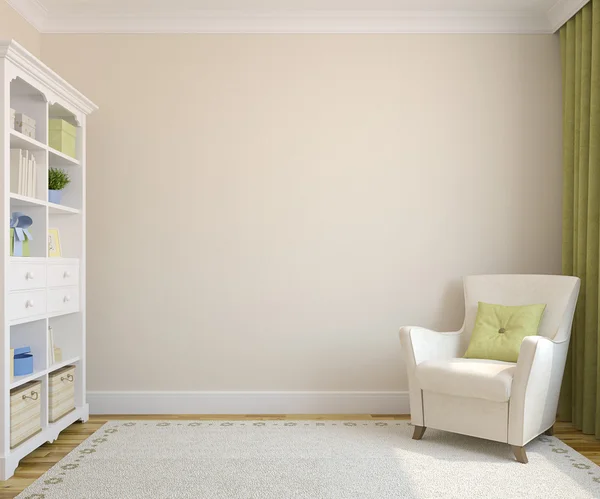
502 401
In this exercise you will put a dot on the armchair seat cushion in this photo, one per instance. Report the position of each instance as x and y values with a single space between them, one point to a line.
473 378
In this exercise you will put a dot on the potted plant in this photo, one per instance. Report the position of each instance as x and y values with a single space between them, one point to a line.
57 180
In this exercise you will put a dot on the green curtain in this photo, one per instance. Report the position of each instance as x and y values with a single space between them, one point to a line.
580 52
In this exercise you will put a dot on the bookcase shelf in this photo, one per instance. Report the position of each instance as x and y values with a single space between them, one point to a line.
20 141
60 160
19 201
59 209
25 201
42 294
60 365
21 380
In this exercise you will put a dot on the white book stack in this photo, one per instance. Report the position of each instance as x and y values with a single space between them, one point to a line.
23 173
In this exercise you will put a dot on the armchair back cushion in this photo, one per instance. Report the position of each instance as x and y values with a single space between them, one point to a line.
559 293
499 330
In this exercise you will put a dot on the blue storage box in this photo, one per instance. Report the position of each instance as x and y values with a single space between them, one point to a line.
23 361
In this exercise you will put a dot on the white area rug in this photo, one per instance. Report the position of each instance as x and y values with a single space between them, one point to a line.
308 460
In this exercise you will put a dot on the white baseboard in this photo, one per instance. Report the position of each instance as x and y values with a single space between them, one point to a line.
209 402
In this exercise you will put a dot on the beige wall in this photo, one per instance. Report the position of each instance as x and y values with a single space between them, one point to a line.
266 211
12 25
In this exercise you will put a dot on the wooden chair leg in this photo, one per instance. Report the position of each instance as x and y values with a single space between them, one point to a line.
418 433
520 454
549 431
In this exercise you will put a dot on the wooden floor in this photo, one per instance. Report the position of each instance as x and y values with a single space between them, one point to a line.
42 459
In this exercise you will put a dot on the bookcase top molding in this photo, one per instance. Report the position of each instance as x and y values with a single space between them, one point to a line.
38 74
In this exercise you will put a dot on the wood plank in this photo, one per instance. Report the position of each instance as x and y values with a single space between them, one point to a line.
42 459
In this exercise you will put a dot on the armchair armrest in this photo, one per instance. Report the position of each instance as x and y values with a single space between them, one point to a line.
420 344
536 388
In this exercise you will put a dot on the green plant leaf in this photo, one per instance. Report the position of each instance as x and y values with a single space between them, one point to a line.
57 179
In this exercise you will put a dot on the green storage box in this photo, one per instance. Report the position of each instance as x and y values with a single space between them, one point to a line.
63 137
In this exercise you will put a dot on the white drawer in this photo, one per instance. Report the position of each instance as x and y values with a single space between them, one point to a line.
26 276
23 304
63 275
63 300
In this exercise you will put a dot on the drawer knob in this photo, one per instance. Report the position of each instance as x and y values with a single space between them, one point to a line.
69 378
67 298
29 276
29 304
33 396
67 274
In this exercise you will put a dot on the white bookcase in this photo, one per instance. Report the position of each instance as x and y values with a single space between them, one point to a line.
40 291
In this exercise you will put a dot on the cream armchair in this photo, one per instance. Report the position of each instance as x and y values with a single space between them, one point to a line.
501 401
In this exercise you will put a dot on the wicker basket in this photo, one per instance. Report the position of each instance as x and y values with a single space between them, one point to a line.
25 412
61 393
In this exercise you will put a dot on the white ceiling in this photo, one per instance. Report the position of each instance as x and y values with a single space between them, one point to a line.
140 6
297 16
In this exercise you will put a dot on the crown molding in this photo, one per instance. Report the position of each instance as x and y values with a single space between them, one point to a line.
562 11
33 12
37 70
305 22
517 22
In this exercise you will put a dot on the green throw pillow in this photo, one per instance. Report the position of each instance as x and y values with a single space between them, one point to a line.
499 330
